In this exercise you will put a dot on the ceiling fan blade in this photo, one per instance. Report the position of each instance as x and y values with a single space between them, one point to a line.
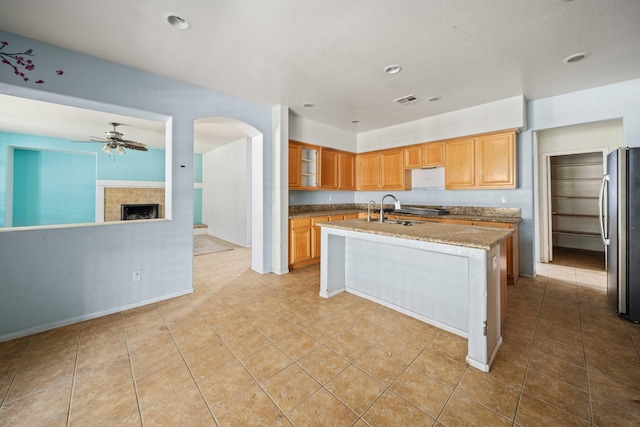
102 142
97 139
135 147
139 144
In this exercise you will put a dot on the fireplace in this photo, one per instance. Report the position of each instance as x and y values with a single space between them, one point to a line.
139 211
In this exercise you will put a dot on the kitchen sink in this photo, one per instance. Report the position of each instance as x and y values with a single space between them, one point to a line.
395 221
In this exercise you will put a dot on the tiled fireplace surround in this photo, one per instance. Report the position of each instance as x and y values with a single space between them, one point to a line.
114 197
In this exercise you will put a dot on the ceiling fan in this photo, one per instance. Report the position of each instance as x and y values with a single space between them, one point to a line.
113 141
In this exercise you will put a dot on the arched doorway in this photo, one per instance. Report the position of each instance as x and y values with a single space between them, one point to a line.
254 171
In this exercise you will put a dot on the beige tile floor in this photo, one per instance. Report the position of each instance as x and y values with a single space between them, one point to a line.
264 350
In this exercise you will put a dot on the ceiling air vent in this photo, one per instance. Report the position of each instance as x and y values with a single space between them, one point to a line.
406 100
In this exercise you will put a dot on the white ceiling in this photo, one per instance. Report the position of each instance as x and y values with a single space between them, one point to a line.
26 116
332 52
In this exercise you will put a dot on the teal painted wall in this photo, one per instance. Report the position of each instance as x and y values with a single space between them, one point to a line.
132 166
53 187
197 206
197 167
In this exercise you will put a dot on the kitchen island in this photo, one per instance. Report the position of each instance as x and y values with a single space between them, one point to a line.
443 274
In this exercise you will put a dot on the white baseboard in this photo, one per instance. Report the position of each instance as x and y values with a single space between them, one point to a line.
65 322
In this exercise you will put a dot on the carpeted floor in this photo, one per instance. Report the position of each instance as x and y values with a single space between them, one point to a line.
205 244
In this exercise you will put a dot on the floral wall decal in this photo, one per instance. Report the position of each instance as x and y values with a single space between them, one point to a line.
20 65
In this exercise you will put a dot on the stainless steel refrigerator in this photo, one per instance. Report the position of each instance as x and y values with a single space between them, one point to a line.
620 229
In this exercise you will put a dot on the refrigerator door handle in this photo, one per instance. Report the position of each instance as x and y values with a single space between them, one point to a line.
603 211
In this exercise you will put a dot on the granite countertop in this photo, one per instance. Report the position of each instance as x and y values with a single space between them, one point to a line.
325 213
472 216
448 234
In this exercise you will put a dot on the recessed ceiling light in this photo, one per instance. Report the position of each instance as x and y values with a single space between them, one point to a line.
308 105
392 69
433 99
576 57
177 21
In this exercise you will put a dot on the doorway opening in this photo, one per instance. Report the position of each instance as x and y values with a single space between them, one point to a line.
231 190
573 186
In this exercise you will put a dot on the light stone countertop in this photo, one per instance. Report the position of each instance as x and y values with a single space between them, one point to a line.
448 234
476 217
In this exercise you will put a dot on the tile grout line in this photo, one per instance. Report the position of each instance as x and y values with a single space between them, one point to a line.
526 366
215 420
15 375
133 376
73 378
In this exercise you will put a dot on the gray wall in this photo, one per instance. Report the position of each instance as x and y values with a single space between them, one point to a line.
51 277
226 193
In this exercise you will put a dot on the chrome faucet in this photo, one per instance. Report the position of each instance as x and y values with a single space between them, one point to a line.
369 209
397 205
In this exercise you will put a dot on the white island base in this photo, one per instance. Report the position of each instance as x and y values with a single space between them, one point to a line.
454 288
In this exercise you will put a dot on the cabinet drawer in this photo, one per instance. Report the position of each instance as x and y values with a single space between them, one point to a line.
299 222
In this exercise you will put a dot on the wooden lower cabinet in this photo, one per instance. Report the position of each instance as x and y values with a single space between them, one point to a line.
299 240
316 235
513 249
305 236
512 244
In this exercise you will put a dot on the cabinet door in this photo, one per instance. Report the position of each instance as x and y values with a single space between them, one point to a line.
459 168
495 161
512 249
433 154
353 216
413 157
295 171
299 240
328 169
316 235
346 171
368 171
392 169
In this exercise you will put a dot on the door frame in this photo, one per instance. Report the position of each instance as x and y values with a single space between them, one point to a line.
546 229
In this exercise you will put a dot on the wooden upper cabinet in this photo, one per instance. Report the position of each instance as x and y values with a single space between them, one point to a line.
295 170
432 154
304 160
328 169
486 161
392 171
459 164
346 171
495 160
424 156
413 157
368 171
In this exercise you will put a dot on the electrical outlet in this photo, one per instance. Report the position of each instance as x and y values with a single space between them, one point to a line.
483 199
504 199
136 276
494 263
330 198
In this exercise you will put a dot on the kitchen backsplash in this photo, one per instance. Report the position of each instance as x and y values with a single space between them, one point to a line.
453 210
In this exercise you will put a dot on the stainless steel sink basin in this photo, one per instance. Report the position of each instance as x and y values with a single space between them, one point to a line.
395 221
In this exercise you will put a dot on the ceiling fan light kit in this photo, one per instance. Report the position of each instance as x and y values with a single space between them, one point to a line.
114 140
